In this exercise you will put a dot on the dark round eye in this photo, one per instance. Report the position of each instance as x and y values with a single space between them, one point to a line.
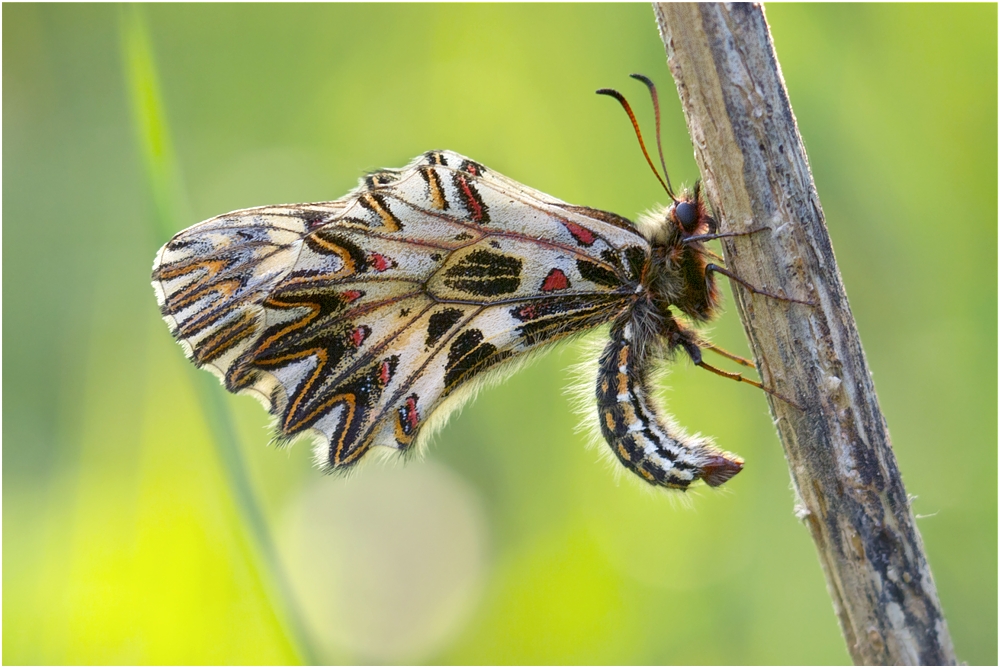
687 215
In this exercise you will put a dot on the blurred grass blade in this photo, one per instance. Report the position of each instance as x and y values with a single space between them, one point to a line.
171 214
150 125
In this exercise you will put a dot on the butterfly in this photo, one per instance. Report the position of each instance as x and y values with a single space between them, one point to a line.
366 320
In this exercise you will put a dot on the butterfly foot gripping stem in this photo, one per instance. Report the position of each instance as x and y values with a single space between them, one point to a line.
685 340
724 235
714 268
740 379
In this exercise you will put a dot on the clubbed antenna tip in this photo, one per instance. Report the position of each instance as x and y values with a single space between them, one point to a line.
611 92
656 109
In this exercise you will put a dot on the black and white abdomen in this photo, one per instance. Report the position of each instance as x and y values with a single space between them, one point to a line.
641 436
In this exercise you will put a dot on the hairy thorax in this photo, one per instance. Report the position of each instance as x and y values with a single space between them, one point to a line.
676 272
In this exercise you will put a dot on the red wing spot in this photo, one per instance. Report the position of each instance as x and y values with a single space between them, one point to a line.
385 374
583 236
556 280
476 209
351 295
529 312
359 335
411 412
380 262
409 418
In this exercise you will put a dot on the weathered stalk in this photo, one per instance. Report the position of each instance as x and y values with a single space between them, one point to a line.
851 495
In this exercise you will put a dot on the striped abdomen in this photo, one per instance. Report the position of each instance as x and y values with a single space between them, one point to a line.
643 438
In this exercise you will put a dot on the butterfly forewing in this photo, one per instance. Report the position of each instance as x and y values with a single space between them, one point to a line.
356 319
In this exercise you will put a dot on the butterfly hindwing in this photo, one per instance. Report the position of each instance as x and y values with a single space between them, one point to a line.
210 279
355 320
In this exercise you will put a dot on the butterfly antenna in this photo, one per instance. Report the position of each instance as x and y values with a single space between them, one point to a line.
635 124
656 109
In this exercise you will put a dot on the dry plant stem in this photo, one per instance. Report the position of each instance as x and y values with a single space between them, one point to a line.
851 495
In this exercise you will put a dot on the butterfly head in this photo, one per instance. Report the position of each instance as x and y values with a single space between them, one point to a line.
689 214
678 274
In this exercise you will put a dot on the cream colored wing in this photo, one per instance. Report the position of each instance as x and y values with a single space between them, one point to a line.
365 319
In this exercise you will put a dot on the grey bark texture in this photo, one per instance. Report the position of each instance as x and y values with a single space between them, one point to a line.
850 493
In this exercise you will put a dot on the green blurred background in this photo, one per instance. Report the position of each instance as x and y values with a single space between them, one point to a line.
135 532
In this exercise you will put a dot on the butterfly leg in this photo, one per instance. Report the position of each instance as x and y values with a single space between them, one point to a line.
730 375
740 379
689 341
728 355
686 339
714 268
723 235
641 437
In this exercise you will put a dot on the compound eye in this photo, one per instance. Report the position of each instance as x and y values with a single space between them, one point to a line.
687 215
